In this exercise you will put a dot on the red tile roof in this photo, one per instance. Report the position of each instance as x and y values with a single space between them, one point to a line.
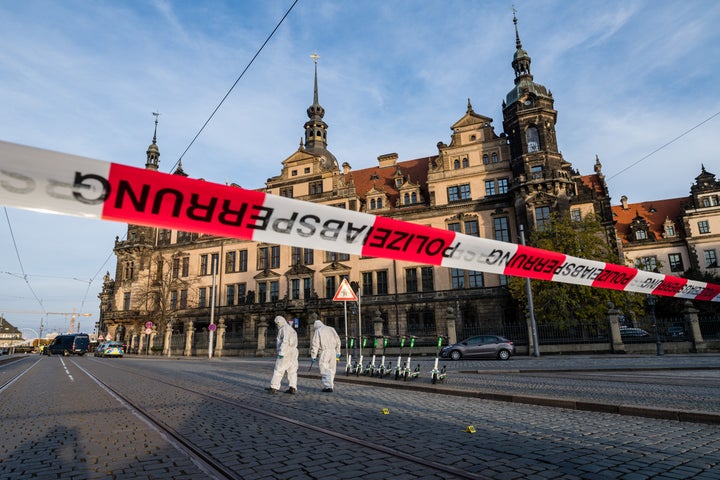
654 212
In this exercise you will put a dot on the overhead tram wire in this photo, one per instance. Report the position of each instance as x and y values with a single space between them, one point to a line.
665 145
22 268
234 84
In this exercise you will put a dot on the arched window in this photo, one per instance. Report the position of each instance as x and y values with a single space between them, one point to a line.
413 197
640 235
372 204
456 164
465 162
379 203
494 158
533 139
485 159
406 199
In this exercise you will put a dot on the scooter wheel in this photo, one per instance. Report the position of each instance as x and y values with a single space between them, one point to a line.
434 378
405 377
397 375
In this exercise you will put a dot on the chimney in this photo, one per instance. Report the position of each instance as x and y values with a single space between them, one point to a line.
623 202
388 160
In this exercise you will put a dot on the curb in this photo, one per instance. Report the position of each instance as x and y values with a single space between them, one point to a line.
582 405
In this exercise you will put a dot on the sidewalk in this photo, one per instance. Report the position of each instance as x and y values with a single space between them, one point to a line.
673 387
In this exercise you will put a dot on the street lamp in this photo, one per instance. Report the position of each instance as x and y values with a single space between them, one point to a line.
651 303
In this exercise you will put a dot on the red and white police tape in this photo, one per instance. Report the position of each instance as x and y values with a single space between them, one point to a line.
42 180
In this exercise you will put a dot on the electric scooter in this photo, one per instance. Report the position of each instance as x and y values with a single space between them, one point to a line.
438 375
398 368
359 365
411 374
350 366
370 369
382 369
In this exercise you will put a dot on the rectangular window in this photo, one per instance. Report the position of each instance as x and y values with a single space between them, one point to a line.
411 280
458 278
502 184
542 218
286 192
296 256
230 262
126 301
382 282
202 297
367 283
316 188
475 279
185 266
575 215
203 264
309 256
465 192
471 228
710 259
275 257
704 226
241 293
230 295
183 298
307 288
490 187
262 292
262 258
455 227
164 237
428 279
330 287
215 263
295 288
502 230
242 261
453 194
274 291
160 267
176 268
676 263
536 171
173 300
648 264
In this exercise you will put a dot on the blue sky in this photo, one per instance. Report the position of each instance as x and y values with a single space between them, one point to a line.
84 78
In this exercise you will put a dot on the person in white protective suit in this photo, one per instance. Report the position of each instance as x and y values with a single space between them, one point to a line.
287 357
326 346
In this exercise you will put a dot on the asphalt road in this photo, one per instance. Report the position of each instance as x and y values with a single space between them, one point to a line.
579 417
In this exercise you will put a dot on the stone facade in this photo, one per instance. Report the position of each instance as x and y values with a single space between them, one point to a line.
480 183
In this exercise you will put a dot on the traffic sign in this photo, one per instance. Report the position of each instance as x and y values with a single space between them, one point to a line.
345 292
148 331
148 324
212 327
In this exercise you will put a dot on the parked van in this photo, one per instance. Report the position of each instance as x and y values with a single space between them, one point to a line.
70 344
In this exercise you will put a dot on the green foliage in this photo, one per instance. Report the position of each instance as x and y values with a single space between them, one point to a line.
565 305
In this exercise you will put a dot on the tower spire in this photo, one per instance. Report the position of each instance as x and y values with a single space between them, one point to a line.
521 59
153 152
316 128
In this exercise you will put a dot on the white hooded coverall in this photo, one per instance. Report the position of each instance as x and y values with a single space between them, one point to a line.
326 346
287 351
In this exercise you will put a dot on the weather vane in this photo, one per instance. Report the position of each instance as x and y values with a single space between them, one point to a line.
315 57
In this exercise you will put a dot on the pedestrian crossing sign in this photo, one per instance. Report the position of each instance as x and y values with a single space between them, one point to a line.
345 293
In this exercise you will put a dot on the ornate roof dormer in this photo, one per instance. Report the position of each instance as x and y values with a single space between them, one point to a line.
153 152
316 130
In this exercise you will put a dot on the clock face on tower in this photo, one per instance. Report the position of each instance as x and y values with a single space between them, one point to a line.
528 102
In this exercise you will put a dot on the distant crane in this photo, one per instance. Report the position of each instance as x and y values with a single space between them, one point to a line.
72 316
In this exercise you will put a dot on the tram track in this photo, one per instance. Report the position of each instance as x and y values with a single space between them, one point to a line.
205 459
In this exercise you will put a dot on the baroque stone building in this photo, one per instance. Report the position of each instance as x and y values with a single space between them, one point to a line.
171 286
